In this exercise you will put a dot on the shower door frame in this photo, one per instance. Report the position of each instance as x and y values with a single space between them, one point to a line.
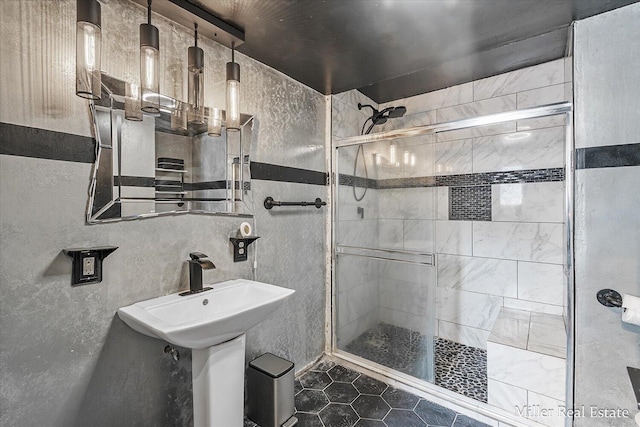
556 109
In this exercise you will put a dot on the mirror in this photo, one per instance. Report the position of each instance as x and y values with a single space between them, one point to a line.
167 163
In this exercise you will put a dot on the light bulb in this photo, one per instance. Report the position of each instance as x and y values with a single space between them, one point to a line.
149 72
90 47
392 153
233 105
233 94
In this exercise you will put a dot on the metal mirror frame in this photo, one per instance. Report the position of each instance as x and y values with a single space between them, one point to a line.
102 200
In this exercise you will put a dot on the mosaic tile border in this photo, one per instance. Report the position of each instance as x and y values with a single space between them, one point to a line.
463 180
344 179
503 177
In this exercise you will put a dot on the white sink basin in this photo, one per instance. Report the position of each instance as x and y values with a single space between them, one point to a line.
206 319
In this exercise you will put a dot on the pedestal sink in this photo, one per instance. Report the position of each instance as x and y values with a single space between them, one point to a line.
213 324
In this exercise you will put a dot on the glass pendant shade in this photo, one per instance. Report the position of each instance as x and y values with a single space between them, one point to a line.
132 105
214 127
88 44
195 96
149 68
179 118
233 95
196 85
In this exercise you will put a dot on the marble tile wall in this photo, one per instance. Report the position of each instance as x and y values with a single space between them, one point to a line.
407 295
356 224
81 365
535 346
391 219
479 260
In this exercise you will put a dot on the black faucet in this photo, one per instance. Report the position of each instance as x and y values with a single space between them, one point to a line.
197 263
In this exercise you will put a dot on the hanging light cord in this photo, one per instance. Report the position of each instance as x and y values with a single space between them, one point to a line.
196 33
233 51
149 12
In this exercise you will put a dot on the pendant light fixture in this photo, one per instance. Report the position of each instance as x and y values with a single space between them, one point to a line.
132 105
88 44
149 65
233 93
214 127
179 117
196 82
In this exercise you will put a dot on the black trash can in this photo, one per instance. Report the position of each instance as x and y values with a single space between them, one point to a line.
270 391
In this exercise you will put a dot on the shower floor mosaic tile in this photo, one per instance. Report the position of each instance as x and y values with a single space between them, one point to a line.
458 367
331 395
461 368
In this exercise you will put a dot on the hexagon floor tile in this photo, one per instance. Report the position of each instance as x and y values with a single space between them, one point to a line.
331 395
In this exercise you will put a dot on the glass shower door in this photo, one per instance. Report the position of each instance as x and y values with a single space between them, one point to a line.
385 275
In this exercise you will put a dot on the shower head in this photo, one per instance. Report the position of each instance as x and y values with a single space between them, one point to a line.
396 112
380 117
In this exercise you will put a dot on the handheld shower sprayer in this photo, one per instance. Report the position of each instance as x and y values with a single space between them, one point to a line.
377 118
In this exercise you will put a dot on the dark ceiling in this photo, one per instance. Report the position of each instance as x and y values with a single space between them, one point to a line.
390 49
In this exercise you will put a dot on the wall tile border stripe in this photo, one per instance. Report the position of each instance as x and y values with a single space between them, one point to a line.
502 177
143 181
38 143
134 181
610 156
465 180
25 141
208 185
359 181
270 172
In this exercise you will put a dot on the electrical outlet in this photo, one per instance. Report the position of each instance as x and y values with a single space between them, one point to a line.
87 263
88 266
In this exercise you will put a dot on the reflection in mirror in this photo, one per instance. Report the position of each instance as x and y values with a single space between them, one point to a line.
149 165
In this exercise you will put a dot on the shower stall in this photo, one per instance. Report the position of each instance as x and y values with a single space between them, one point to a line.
452 259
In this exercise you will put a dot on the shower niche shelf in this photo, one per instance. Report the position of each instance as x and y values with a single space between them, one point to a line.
169 190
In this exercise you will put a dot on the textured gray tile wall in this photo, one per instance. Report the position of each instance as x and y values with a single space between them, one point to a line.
607 222
66 358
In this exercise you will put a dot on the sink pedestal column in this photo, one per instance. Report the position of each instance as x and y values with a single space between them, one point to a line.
218 384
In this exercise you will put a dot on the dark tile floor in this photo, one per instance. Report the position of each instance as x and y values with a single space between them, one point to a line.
458 367
331 395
